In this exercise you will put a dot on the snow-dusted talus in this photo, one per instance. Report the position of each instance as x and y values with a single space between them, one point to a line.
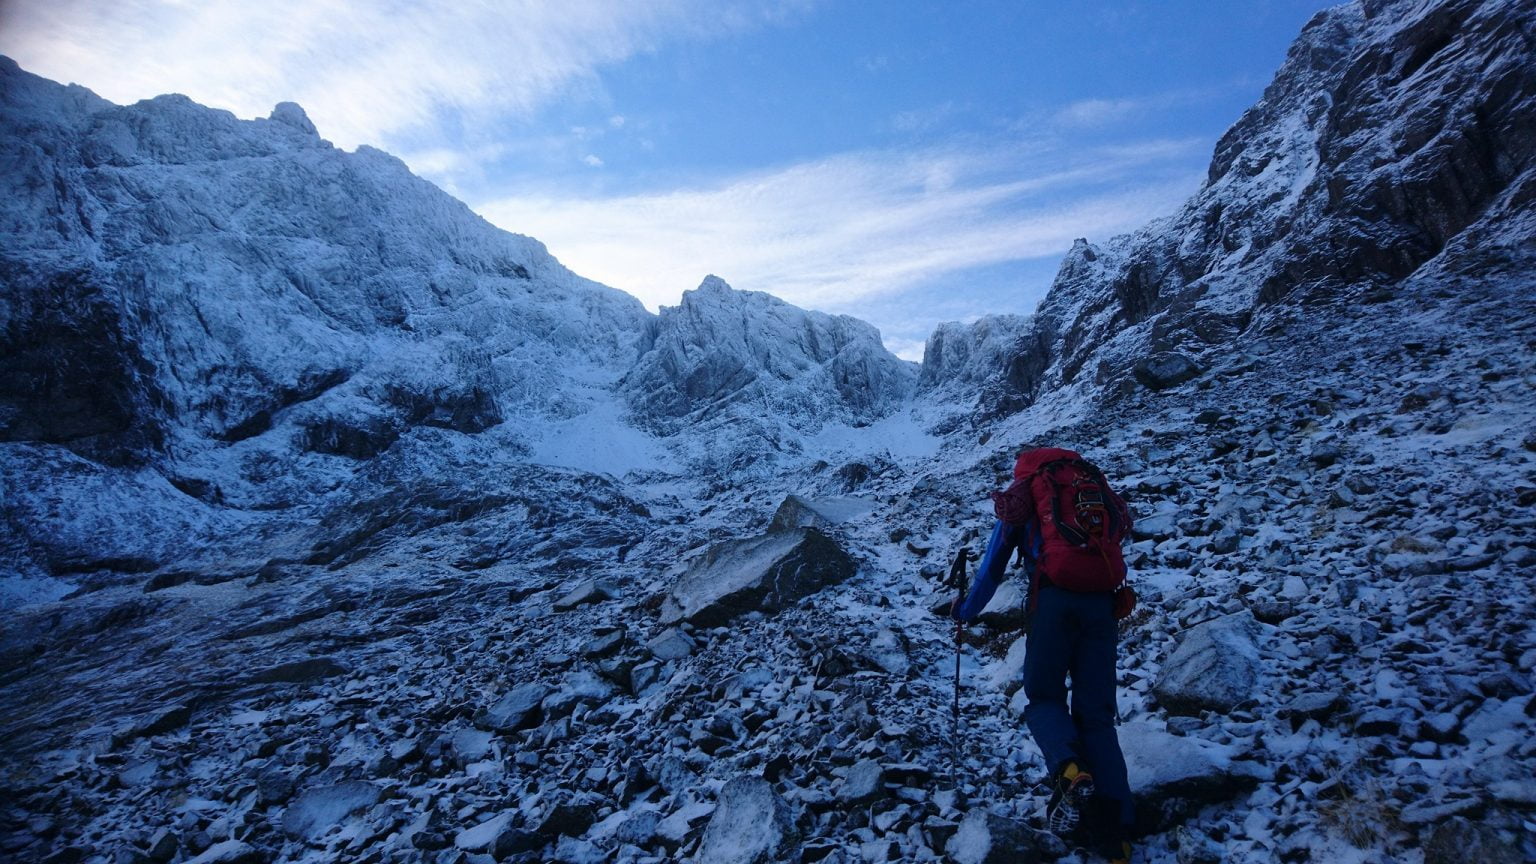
173 272
721 348
1393 132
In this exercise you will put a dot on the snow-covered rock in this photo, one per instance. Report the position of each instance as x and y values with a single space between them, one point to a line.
1215 667
318 809
1171 777
751 825
988 838
973 353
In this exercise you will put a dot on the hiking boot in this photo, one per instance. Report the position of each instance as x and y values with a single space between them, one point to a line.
1121 857
1069 799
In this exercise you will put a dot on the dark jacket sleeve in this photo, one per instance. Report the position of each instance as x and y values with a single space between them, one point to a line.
994 565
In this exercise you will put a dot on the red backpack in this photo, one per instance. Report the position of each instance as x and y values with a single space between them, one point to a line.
1081 519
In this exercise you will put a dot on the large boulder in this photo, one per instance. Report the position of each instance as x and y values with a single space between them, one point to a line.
751 825
1007 674
765 573
1173 777
1165 369
1215 667
1007 610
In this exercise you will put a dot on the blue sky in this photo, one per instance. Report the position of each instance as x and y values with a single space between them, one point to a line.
905 162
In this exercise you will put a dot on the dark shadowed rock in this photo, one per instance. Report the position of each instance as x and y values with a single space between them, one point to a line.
518 709
1165 369
750 825
1460 841
300 671
1214 667
765 573
162 845
165 720
604 645
273 786
568 819
515 841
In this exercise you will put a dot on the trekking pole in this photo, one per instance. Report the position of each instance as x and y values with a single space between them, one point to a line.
958 578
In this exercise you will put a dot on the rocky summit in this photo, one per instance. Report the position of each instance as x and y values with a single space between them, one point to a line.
339 525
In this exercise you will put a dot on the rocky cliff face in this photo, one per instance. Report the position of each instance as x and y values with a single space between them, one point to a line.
971 354
721 348
1395 133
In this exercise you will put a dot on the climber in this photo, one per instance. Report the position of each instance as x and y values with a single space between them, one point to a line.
1067 524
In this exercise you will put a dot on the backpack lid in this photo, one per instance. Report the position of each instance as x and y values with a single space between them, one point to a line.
1029 461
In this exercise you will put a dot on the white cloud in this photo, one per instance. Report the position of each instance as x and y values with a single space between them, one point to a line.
835 232
362 70
592 160
906 349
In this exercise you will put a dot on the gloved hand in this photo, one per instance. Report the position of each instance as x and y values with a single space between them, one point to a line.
1125 602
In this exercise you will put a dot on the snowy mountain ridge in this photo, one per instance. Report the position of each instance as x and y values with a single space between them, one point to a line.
228 320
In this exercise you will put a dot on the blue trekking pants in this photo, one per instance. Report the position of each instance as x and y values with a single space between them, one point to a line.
1075 634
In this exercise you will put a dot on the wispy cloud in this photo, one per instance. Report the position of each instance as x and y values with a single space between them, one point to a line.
1099 112
362 70
836 232
1103 112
